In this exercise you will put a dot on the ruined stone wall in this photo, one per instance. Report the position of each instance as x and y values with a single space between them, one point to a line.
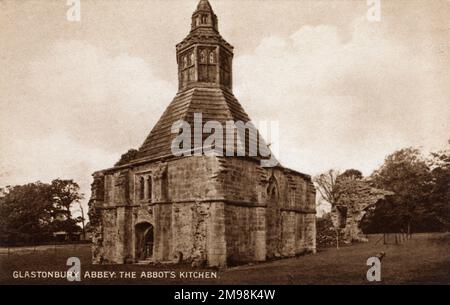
355 197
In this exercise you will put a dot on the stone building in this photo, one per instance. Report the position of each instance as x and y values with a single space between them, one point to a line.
207 209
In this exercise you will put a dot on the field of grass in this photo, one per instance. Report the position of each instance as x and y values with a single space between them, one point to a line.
425 259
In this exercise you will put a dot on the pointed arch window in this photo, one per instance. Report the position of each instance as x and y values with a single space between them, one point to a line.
187 67
272 192
141 188
207 64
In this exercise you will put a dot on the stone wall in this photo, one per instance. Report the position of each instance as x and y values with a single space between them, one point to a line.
207 210
241 227
256 227
183 209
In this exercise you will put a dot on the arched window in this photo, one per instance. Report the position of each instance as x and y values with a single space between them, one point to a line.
149 188
141 188
203 56
212 57
272 191
204 19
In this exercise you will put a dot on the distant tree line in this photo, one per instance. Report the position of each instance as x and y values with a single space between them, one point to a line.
421 187
31 213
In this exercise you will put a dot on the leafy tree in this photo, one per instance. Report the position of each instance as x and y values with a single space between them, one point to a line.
65 194
326 232
25 213
437 212
352 174
127 157
406 173
31 213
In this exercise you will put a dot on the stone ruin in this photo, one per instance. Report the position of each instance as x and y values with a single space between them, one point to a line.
355 198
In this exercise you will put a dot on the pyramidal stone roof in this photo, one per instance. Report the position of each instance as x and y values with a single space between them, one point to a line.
212 103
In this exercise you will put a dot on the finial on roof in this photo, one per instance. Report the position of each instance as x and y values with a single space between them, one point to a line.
204 16
204 5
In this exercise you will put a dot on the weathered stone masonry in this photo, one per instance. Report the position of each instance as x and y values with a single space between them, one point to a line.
204 210
215 210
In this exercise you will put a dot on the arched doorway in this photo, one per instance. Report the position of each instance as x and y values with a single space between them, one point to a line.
143 241
273 220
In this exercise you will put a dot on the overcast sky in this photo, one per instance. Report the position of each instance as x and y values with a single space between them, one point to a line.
74 96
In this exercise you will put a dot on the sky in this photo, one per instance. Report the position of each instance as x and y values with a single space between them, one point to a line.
346 92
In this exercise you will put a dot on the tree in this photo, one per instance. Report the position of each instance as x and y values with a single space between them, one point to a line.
65 193
437 211
25 213
81 219
327 187
326 232
127 157
33 212
406 173
352 174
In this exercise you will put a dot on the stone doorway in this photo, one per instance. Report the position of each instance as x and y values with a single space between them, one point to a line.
273 221
143 241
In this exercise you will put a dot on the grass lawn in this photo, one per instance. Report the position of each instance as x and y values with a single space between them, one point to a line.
423 259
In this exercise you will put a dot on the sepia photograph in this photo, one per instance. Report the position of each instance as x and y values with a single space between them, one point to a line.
224 142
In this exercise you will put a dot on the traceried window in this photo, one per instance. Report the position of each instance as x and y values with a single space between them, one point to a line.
212 57
207 65
187 67
203 56
141 188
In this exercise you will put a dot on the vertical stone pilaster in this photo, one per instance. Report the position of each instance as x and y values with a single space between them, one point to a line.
121 199
310 238
300 233
216 244
167 231
260 235
158 234
121 238
162 232
287 233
